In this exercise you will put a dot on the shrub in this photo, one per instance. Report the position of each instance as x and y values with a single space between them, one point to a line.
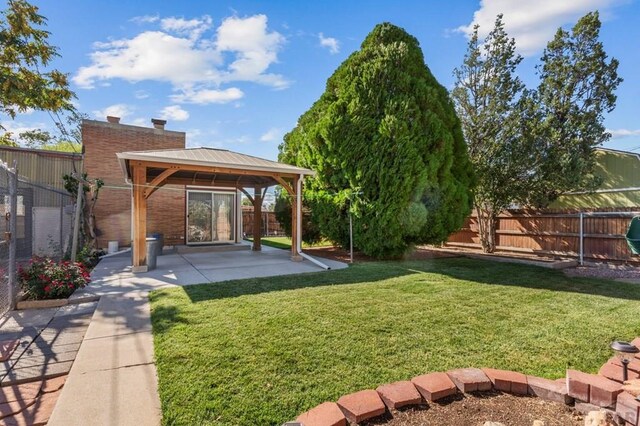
44 278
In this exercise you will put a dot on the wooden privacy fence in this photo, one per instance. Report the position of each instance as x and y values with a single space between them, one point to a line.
270 225
594 235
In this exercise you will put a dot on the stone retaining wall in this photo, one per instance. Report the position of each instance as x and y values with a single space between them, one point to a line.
587 392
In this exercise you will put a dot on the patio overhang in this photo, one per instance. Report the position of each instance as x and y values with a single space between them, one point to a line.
147 171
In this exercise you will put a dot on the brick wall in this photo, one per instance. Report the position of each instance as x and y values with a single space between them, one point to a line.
166 208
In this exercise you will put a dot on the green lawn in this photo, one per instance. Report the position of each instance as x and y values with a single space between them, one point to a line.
260 351
285 243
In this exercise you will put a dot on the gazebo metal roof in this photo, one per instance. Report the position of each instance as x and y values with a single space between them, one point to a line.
210 157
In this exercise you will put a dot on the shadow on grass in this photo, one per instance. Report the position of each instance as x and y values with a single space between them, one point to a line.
533 277
352 275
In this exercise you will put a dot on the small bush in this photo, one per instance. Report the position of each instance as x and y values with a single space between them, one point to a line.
44 278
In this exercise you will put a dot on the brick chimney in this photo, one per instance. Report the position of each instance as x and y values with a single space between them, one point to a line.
112 119
158 124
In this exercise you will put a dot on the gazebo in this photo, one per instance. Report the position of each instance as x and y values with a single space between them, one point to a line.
147 171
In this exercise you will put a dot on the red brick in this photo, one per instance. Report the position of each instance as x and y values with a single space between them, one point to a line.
578 385
19 392
614 372
470 379
550 390
603 392
627 407
37 414
101 141
634 365
53 385
7 347
361 406
14 407
399 394
507 381
325 414
434 386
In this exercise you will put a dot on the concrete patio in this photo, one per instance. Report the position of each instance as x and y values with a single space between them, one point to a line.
114 374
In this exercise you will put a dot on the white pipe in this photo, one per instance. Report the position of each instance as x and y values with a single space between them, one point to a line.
299 226
114 254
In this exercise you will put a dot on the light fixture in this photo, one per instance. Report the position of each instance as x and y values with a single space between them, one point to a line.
625 352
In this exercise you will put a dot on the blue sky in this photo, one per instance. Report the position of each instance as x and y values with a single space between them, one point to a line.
237 75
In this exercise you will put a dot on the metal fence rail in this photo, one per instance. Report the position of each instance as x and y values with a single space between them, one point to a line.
588 235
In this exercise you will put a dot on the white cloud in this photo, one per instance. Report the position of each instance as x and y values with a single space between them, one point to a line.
255 49
187 54
145 19
141 94
330 43
151 55
116 110
532 23
139 121
174 113
623 133
208 96
271 135
17 127
191 27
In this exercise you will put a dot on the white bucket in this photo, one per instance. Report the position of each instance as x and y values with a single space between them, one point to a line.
113 247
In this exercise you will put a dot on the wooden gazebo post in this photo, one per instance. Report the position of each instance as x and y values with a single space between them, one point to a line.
139 218
257 219
295 256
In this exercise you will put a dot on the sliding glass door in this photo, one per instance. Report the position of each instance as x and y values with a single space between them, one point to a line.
210 217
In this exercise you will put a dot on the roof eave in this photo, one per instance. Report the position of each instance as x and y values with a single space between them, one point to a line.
124 156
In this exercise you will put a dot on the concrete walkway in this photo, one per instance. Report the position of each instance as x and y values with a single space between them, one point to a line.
113 379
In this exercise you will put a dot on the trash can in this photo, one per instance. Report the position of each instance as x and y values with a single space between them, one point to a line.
160 237
152 253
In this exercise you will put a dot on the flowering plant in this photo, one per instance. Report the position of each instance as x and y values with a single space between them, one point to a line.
44 278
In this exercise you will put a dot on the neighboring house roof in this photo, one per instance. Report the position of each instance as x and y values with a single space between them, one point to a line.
211 157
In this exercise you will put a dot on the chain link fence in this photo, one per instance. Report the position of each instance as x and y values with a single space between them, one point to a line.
8 197
38 222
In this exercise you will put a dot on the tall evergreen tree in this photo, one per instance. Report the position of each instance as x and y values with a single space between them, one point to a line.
487 94
387 147
577 87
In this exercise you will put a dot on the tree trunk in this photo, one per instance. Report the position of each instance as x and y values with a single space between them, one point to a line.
487 229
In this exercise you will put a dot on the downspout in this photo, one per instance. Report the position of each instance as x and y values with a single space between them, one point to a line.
299 226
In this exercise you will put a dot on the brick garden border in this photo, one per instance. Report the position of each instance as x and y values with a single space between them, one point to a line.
587 392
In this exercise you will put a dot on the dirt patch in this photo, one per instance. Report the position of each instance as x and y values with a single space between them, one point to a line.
472 410
606 271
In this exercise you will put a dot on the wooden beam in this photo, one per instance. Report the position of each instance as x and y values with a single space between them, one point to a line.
209 169
139 219
245 192
174 180
157 182
285 185
257 219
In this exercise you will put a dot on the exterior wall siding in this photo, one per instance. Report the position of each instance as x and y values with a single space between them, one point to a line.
166 208
619 170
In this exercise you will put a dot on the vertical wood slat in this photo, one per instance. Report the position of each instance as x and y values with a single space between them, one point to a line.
548 232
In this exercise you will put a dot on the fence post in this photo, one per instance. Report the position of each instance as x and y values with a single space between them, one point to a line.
13 218
581 238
